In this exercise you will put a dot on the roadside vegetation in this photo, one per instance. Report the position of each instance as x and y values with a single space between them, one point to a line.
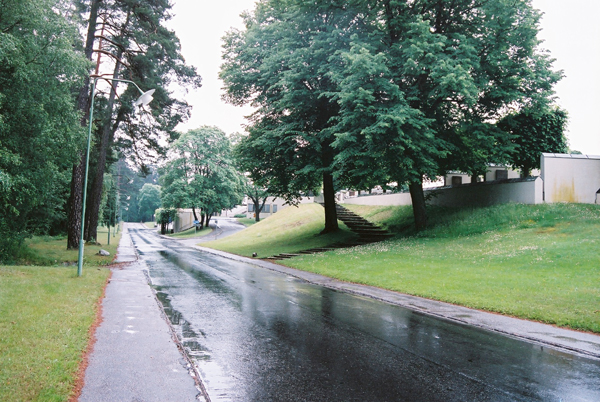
48 250
191 233
538 262
246 221
289 230
46 312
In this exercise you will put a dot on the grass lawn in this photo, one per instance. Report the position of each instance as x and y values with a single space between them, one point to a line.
289 230
539 262
47 250
191 233
45 317
247 221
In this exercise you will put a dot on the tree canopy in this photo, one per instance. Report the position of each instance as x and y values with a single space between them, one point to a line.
375 92
149 201
534 132
39 124
135 44
280 64
200 174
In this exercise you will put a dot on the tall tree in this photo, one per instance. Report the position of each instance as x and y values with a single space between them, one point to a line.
424 82
535 131
280 65
75 201
133 40
201 175
149 201
39 129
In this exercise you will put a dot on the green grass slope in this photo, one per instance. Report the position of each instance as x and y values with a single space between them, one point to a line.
540 262
289 230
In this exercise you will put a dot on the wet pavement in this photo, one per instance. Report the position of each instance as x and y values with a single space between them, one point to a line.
255 334
134 357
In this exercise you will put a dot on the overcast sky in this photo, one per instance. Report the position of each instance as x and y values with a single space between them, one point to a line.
569 28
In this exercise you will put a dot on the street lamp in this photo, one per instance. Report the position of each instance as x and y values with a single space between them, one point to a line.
143 100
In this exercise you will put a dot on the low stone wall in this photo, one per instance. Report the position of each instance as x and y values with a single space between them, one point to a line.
523 191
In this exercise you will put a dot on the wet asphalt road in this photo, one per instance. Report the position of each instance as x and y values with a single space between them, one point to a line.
258 335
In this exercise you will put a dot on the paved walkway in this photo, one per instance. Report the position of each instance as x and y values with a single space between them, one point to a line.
134 357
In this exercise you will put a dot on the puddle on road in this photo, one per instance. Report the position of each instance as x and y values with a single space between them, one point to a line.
187 336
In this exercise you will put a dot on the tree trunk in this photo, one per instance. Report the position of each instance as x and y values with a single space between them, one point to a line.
74 206
257 210
93 207
208 216
195 215
83 104
331 223
418 204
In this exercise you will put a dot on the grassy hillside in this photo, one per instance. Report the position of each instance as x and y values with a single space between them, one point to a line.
539 262
289 230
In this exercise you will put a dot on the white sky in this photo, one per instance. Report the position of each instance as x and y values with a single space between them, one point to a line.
569 28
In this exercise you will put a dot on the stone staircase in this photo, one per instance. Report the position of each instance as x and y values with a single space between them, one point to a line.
367 233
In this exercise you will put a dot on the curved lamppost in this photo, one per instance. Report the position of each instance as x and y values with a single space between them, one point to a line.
143 100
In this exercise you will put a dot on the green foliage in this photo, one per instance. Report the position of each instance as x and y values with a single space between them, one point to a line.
423 82
149 201
109 209
281 64
130 181
534 132
201 173
39 126
148 53
164 216
382 92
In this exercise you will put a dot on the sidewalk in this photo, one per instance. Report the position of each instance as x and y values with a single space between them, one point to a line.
134 357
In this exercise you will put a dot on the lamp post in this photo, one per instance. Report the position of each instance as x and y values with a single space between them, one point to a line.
143 100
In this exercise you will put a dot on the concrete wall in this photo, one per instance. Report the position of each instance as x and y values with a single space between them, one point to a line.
272 206
381 199
184 220
570 178
524 191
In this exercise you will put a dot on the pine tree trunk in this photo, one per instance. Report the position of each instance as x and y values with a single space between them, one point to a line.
93 207
418 203
74 206
83 104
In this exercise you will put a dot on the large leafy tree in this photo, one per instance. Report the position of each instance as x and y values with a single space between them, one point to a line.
149 201
280 65
201 174
39 125
535 131
424 82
